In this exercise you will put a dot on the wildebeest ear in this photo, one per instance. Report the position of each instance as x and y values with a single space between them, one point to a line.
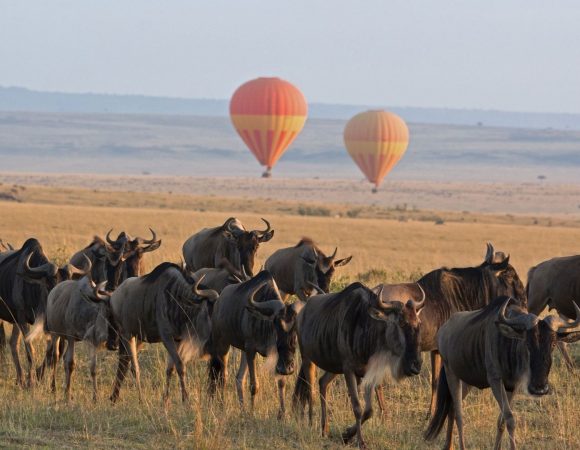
570 337
266 236
377 314
343 262
510 332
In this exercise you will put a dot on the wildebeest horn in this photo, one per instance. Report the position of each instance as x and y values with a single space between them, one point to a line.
315 286
78 271
489 254
388 306
108 237
268 308
268 227
523 321
210 294
331 257
245 274
418 305
153 239
48 269
560 324
99 291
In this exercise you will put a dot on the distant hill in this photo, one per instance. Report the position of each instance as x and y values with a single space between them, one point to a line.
22 99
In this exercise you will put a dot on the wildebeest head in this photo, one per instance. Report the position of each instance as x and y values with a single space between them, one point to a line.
204 298
245 243
509 282
540 336
135 249
406 317
49 274
283 318
102 330
323 266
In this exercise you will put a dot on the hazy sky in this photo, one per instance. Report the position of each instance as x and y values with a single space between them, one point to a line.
495 54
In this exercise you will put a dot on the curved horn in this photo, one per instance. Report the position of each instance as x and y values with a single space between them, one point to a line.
386 306
334 254
527 321
560 324
418 305
153 239
316 287
268 227
209 294
108 237
270 307
245 274
489 253
99 291
46 269
74 270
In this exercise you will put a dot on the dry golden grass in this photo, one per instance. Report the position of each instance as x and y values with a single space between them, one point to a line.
383 250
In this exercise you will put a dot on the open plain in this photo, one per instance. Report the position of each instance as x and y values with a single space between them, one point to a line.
387 244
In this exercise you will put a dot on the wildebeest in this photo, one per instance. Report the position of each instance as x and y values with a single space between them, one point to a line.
221 276
252 317
26 278
101 255
76 310
297 268
556 284
5 250
208 247
162 306
499 350
356 333
460 289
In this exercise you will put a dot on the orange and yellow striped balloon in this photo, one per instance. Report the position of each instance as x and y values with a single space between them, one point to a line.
376 141
268 114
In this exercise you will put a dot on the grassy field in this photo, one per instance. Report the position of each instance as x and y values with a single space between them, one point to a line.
384 249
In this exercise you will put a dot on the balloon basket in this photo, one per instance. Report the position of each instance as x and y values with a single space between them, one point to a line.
267 174
374 190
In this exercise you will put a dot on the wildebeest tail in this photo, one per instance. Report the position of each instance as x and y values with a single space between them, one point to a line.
303 388
530 274
442 408
38 328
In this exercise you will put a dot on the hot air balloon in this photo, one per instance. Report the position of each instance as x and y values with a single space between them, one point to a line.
376 141
268 114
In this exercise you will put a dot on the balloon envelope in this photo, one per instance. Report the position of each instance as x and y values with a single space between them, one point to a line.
376 141
268 114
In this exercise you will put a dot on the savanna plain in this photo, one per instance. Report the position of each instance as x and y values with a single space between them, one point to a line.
385 247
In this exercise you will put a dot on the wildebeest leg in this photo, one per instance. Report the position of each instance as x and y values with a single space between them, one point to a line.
241 378
135 365
69 365
254 385
24 328
454 384
323 383
367 414
303 388
169 344
506 415
168 375
501 424
93 369
350 379
14 345
281 394
122 368
53 360
567 359
436 365
380 398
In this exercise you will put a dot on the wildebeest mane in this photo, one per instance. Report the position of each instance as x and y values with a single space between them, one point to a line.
96 240
156 273
305 241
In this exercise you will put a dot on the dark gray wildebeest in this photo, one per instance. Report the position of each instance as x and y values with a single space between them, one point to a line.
556 284
5 250
499 348
76 310
209 246
26 278
221 276
101 255
356 333
452 290
162 306
296 269
252 317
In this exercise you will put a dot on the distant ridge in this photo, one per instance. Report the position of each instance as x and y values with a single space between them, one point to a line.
22 99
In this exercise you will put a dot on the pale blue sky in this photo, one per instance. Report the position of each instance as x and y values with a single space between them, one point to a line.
496 54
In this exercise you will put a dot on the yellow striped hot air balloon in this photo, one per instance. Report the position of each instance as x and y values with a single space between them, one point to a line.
268 114
376 141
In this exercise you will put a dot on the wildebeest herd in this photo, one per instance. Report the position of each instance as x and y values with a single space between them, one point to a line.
480 324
